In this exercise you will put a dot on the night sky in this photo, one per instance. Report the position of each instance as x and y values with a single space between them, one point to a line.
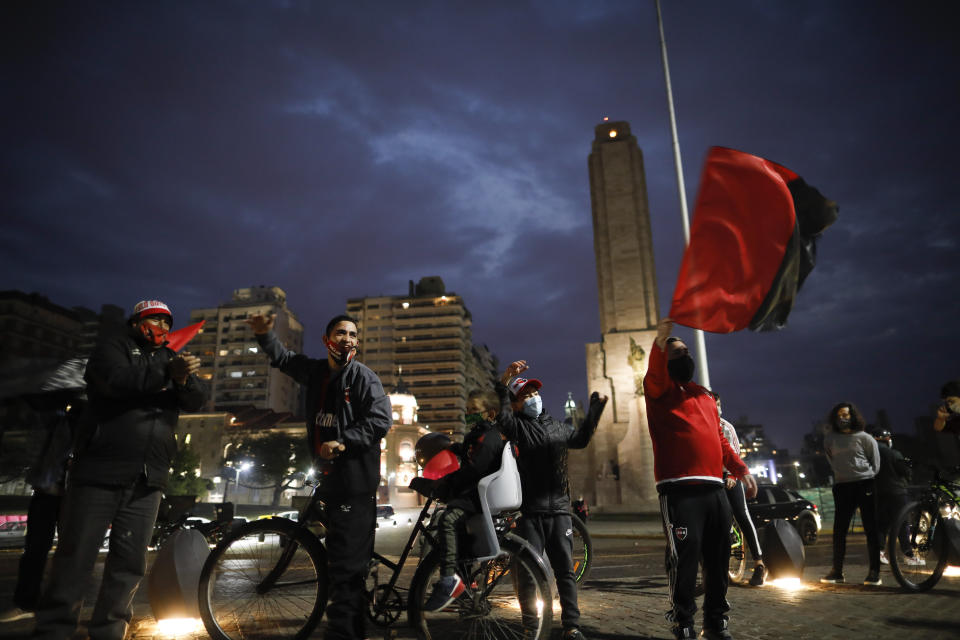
181 150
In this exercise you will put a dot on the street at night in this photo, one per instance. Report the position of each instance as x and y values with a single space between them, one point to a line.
625 595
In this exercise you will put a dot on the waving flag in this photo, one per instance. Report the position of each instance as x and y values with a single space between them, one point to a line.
178 339
752 244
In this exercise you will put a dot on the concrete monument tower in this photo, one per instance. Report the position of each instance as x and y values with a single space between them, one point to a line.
616 472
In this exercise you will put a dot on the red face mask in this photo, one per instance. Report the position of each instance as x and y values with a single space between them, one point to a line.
338 356
155 334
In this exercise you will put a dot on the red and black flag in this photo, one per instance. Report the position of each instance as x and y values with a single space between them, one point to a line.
752 244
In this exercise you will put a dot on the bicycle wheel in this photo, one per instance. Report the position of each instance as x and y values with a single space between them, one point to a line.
266 579
918 565
492 606
582 549
738 554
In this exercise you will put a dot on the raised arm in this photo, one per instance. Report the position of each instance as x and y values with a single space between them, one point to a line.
295 365
580 438
657 381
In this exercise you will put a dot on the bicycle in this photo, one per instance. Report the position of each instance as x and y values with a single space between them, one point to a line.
738 554
737 563
919 564
582 549
268 579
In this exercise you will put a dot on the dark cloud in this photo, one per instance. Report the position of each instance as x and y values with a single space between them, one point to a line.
181 150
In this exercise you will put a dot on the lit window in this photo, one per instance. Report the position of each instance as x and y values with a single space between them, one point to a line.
187 439
253 350
613 133
223 352
236 374
405 305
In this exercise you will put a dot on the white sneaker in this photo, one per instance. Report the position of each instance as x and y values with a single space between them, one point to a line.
14 614
913 561
883 558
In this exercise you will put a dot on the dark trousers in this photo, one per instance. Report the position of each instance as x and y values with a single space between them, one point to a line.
351 521
42 517
847 498
448 524
738 503
88 510
888 507
553 533
696 523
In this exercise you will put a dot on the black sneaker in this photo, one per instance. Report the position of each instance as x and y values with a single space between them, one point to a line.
715 631
574 634
759 575
684 633
834 577
873 579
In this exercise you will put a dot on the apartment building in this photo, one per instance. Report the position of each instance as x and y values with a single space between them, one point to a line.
232 363
426 337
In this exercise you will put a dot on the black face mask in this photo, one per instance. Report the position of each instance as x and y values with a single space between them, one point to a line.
681 369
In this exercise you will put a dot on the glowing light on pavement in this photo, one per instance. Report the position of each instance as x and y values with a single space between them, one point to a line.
177 627
952 572
787 584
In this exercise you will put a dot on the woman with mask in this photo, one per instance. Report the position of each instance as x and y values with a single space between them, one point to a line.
855 459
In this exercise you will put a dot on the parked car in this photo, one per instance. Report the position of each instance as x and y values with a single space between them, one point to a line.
776 502
385 511
12 534
289 515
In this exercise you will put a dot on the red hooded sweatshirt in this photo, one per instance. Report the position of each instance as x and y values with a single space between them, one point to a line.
688 442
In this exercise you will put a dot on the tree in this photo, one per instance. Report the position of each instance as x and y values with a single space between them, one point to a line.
276 459
184 479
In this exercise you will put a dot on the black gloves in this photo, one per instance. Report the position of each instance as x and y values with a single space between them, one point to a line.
595 410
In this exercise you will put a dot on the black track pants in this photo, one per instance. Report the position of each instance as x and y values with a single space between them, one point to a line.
738 502
696 523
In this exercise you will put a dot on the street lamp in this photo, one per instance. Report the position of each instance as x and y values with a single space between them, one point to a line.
238 470
796 472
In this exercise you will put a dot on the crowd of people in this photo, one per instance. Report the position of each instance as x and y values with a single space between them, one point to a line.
107 465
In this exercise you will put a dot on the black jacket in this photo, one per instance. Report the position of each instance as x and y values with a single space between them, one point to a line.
543 444
362 411
894 472
479 456
132 413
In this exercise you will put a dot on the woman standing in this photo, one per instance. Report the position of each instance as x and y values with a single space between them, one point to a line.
855 459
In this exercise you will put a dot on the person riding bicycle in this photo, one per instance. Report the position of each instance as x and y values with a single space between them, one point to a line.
348 414
480 454
543 443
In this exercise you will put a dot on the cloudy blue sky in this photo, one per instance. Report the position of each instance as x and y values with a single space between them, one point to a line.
182 150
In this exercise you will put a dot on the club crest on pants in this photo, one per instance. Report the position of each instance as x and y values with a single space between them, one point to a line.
681 533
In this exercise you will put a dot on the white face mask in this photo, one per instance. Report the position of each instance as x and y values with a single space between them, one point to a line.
532 406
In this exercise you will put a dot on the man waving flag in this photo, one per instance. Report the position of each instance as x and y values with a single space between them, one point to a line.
752 244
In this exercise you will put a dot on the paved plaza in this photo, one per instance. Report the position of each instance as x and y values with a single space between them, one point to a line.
625 596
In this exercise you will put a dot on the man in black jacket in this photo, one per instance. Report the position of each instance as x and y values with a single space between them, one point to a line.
543 444
136 388
347 414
